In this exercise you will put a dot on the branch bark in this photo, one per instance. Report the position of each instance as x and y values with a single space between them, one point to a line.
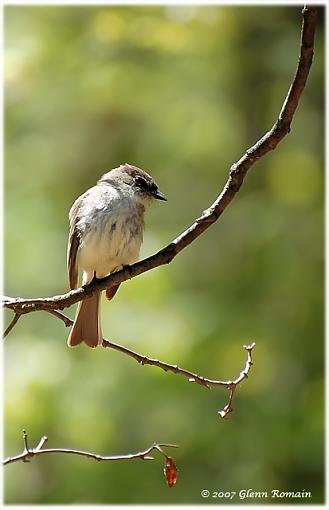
210 215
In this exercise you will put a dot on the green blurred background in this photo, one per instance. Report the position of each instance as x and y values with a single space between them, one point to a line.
181 92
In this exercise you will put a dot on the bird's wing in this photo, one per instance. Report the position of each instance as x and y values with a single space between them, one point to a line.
73 245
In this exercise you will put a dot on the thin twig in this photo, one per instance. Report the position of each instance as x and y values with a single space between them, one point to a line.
67 321
210 215
12 324
26 445
192 377
232 387
28 453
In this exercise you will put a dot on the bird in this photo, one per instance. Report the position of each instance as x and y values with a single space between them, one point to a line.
105 235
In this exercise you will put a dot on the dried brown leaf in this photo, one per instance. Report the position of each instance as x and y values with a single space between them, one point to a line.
170 471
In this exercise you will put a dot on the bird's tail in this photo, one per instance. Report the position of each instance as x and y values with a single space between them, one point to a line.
87 325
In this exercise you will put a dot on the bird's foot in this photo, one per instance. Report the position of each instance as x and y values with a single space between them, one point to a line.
94 279
128 267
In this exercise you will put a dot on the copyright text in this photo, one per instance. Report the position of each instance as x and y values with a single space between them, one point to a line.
253 494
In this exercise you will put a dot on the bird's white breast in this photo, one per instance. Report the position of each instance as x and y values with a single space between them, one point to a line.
111 231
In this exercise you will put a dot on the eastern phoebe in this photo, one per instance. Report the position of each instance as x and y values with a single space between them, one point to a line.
106 233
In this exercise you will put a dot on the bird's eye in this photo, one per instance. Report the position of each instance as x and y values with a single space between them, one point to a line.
141 182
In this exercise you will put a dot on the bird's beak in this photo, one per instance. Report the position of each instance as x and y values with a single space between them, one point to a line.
159 196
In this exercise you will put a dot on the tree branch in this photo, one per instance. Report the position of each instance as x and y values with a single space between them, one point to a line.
28 453
167 367
210 215
203 381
